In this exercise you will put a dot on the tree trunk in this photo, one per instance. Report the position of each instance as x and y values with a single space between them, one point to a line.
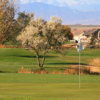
43 59
38 60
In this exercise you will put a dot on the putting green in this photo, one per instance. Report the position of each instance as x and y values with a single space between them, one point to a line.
48 87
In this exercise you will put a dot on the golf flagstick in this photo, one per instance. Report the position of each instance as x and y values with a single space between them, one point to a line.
79 72
79 49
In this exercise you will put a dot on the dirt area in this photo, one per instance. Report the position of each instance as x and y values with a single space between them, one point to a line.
9 46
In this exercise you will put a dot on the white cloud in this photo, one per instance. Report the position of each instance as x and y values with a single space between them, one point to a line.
64 2
78 2
38 0
30 1
88 1
50 1
68 2
24 1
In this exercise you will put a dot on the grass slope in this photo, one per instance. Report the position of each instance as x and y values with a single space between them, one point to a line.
11 60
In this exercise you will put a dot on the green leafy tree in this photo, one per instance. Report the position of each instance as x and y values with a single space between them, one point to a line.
67 32
19 24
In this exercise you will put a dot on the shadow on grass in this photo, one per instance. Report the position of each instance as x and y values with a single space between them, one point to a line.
2 72
35 56
66 63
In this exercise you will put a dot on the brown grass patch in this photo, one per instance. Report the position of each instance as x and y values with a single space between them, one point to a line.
95 62
95 66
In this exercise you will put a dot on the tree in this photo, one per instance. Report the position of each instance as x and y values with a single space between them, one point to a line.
70 36
19 24
93 42
7 13
24 18
67 31
40 35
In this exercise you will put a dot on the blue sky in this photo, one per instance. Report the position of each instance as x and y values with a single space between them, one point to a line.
83 5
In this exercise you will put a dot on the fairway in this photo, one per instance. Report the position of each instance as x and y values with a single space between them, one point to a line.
48 87
14 86
11 60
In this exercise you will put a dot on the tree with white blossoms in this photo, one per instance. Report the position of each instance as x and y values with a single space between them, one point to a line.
41 36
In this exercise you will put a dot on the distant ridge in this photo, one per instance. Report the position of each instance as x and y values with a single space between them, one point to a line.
68 15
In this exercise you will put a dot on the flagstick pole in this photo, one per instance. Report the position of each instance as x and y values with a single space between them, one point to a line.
79 71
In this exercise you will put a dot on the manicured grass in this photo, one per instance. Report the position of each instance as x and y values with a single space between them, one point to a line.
48 87
14 86
11 60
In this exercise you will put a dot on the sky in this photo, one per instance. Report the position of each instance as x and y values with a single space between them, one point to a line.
82 5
